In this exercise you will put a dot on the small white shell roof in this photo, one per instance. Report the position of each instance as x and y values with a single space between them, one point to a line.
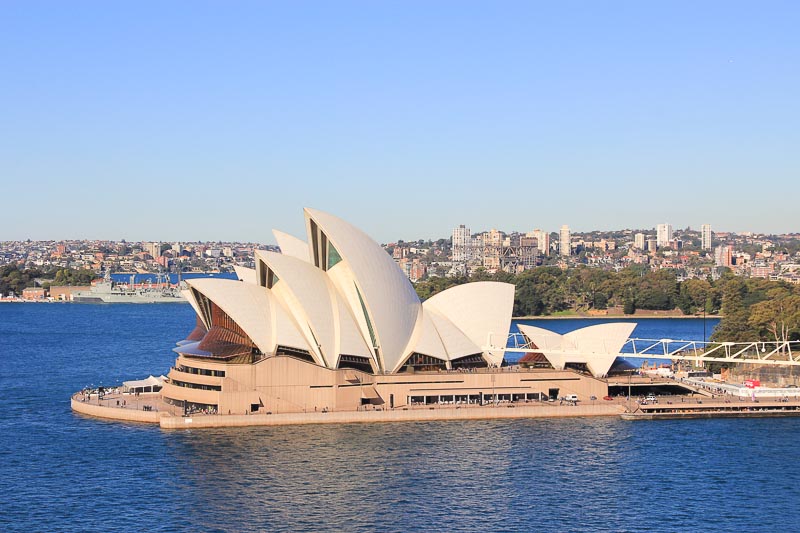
390 299
482 310
596 346
254 310
292 246
428 341
190 298
248 275
601 338
543 339
456 342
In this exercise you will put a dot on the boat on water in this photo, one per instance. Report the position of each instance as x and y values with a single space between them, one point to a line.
110 292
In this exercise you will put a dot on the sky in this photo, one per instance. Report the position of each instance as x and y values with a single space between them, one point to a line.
202 120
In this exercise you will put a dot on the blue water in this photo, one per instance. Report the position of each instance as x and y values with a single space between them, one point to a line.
64 472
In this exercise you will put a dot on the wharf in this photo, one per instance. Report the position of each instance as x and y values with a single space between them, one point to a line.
720 409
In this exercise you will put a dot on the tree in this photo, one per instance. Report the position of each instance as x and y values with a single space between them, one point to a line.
693 295
734 326
600 301
778 317
629 306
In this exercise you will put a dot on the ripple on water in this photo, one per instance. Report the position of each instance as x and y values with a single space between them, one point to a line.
62 471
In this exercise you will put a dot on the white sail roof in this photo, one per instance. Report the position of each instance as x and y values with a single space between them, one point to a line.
186 293
482 310
595 346
314 304
355 301
292 246
254 310
428 340
248 275
390 300
456 343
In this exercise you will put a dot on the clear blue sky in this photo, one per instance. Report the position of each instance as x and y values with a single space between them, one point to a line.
221 120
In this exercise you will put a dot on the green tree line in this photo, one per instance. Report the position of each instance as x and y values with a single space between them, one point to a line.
547 290
14 279
752 309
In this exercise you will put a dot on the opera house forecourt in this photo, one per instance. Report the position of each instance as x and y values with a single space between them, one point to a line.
330 329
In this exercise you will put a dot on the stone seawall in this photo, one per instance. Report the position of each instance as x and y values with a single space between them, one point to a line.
116 413
349 417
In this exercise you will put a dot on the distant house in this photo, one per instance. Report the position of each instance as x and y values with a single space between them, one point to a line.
65 292
33 293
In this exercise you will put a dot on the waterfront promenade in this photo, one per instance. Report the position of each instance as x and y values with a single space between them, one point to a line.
149 408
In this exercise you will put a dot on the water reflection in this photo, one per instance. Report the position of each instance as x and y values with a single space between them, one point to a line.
395 476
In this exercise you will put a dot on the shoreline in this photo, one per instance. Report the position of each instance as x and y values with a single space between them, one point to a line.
615 317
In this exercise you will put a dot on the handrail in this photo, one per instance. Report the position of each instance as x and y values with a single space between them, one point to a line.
756 352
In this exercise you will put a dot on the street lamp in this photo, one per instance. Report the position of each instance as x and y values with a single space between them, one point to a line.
630 376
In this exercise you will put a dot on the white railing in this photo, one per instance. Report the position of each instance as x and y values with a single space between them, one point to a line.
756 352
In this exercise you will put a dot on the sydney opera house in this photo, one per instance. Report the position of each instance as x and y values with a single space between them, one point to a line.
332 323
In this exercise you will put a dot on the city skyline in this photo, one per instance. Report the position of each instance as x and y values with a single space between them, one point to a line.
540 234
151 121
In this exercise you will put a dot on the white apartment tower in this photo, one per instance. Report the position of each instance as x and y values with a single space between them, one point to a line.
705 236
154 249
462 243
564 247
663 235
542 241
638 241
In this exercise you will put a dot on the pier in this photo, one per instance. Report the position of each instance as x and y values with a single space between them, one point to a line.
715 409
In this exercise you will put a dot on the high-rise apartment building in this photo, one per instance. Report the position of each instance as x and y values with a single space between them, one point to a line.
462 244
154 249
705 236
663 235
542 241
638 241
564 246
723 256
492 249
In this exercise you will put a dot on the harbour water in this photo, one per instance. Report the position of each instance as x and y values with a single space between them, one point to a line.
64 472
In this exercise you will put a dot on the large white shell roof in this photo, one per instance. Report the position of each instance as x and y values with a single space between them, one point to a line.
292 246
337 310
391 301
316 305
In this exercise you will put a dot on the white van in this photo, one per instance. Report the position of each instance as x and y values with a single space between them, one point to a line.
571 398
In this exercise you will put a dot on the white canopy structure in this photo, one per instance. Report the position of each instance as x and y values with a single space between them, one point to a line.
594 346
149 384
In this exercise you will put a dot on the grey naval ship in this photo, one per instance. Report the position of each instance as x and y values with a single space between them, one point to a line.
110 292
